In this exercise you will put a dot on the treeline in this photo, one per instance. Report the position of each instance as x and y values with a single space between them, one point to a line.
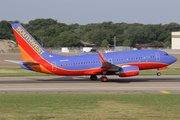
51 33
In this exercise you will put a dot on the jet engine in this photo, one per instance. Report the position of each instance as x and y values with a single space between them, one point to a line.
129 71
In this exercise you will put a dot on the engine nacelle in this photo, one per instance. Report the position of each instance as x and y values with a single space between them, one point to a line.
129 71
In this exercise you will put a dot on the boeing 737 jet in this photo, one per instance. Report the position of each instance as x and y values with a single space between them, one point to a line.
123 64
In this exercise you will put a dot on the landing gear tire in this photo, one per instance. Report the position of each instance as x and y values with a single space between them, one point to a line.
158 74
93 77
104 79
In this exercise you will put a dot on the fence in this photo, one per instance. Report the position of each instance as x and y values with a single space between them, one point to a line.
80 49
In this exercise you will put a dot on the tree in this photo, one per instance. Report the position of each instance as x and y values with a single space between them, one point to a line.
104 43
127 43
66 39
155 44
167 44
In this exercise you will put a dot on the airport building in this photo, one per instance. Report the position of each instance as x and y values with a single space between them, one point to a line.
175 40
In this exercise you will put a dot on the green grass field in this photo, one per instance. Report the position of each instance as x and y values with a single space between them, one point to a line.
17 71
89 106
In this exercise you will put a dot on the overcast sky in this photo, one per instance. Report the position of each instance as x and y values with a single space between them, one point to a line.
92 11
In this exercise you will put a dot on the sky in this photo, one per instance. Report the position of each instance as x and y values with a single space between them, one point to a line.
92 11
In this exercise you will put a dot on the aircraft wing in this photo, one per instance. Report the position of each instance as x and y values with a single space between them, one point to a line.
106 64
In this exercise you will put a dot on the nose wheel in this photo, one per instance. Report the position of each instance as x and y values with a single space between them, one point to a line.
158 73
93 77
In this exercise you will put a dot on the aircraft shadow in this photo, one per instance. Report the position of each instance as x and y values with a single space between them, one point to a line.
118 80
77 79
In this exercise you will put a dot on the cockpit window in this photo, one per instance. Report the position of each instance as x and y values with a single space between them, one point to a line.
166 54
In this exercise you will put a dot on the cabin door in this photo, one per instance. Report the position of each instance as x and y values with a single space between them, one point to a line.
157 56
54 68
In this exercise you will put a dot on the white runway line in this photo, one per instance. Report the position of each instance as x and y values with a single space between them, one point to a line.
92 88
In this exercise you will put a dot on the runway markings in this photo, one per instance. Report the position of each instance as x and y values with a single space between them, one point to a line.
93 88
165 92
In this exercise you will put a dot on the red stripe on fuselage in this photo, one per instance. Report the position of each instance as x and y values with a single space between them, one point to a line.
148 65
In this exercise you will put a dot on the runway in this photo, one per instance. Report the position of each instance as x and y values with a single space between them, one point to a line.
76 84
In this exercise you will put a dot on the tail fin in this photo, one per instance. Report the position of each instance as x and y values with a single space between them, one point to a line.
30 49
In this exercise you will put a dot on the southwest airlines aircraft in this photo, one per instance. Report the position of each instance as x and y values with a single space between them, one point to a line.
123 64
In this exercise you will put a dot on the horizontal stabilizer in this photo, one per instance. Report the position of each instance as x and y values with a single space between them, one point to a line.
14 61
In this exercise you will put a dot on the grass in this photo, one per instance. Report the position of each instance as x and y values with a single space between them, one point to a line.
17 71
171 70
89 106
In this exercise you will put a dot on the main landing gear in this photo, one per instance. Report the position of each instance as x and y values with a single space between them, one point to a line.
158 73
103 78
93 77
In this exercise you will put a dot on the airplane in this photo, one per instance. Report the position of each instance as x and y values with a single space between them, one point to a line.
123 64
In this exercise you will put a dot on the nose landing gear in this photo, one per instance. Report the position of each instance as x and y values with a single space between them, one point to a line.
158 73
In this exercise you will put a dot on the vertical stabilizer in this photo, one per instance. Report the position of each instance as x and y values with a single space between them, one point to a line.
31 50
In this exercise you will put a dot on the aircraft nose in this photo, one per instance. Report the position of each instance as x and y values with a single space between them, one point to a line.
173 59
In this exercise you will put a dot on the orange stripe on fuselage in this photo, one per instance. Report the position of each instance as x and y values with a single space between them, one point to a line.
40 68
